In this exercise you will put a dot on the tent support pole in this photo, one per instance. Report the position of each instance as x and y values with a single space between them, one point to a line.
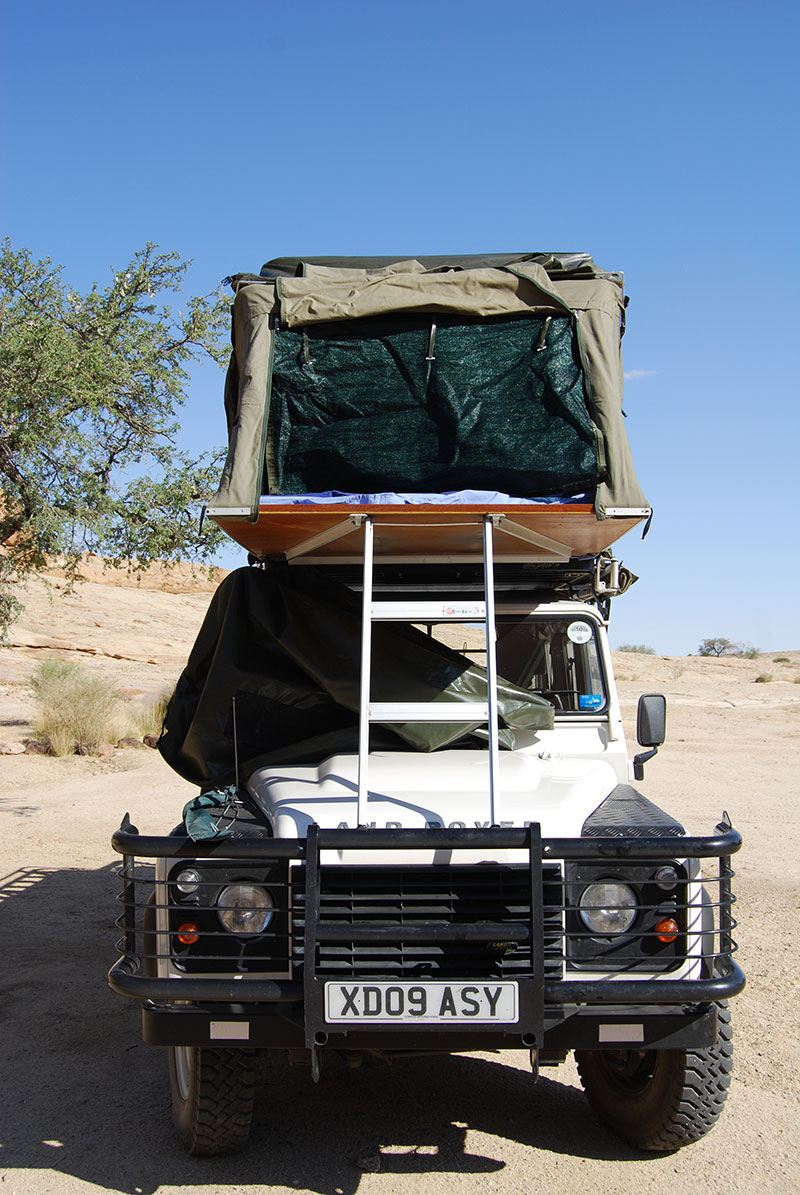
325 537
509 527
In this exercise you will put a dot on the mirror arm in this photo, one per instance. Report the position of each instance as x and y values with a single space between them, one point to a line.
640 760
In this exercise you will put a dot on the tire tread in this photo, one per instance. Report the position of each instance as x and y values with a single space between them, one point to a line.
216 1116
693 1099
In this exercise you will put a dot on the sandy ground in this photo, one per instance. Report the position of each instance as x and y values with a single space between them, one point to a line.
85 1105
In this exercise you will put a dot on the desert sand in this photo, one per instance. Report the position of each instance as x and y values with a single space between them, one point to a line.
85 1104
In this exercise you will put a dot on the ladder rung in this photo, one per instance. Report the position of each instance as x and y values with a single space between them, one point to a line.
419 611
429 711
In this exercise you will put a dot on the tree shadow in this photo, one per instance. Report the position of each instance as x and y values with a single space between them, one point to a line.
10 805
85 1097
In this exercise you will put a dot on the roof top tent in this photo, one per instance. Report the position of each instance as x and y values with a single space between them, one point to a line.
434 412
428 394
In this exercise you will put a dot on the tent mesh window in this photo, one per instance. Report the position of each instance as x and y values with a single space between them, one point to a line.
367 406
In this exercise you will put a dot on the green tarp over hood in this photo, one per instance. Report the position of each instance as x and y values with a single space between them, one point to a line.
284 645
339 389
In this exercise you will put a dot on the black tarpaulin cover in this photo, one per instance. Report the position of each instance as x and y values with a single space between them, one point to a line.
285 644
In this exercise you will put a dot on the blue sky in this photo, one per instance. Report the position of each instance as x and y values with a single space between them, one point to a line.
660 138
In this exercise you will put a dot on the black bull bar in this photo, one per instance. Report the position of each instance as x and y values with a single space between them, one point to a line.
722 976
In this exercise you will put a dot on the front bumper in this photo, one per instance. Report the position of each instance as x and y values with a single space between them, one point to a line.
561 1005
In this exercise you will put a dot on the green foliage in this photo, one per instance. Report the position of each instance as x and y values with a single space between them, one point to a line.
717 647
77 711
640 648
781 660
10 608
90 384
763 678
726 647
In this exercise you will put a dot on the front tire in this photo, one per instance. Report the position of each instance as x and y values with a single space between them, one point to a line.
660 1099
212 1097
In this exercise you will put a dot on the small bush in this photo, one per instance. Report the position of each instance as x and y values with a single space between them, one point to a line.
781 660
148 718
641 648
77 711
749 653
763 678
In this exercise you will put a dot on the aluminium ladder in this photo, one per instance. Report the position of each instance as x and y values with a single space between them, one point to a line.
427 711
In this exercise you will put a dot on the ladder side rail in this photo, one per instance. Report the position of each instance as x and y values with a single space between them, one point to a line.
491 664
366 674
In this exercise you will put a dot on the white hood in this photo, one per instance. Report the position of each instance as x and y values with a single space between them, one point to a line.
448 788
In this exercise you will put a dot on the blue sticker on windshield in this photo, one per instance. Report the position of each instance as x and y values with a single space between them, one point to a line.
590 701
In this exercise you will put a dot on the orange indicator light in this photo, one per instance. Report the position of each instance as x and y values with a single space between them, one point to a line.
188 933
667 929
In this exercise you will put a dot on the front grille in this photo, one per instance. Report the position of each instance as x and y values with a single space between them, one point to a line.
426 895
398 922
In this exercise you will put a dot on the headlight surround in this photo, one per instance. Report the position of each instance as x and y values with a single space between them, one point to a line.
245 909
608 907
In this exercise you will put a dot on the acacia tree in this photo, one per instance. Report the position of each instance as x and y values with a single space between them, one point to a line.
90 384
718 647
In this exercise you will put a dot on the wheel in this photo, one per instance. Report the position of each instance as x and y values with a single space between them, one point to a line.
212 1097
660 1099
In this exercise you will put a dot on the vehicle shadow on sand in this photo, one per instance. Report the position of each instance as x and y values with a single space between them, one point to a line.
86 1098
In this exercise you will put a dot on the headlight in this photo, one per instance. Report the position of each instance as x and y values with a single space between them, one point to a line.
608 907
245 909
666 878
187 881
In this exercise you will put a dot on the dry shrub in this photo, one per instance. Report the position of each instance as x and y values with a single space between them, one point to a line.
148 717
763 678
77 710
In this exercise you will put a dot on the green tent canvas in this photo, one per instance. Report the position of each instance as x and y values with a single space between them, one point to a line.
430 374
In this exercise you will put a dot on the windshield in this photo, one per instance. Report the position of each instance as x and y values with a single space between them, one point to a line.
556 657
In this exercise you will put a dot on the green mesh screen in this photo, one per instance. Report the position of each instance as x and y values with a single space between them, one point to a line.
357 407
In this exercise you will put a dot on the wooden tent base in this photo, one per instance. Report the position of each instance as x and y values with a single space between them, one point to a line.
421 533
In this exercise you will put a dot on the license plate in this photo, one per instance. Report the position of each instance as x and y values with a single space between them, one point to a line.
424 1003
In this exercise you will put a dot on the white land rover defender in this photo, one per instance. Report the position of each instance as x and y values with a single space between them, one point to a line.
464 898
418 827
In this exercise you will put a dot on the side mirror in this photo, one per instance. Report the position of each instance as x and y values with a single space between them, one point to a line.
651 729
651 720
